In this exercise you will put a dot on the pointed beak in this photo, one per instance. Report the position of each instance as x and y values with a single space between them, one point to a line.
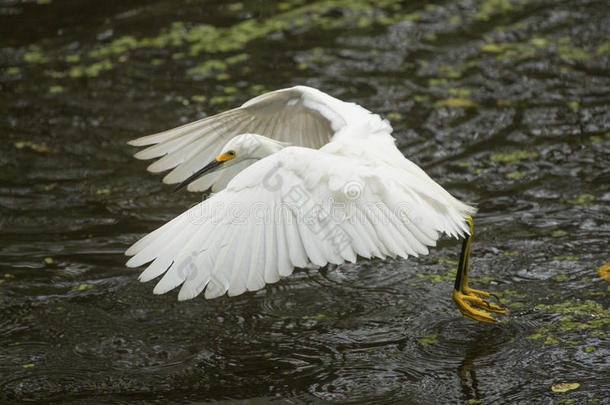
208 168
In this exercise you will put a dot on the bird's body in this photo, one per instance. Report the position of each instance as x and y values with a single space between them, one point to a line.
298 178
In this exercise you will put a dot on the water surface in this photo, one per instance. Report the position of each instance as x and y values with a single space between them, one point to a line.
504 102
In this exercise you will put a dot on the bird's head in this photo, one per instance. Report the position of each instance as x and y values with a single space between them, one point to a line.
240 148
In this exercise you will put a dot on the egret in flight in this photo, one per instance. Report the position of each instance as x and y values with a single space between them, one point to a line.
298 178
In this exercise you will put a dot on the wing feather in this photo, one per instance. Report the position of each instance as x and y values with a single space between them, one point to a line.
277 230
299 115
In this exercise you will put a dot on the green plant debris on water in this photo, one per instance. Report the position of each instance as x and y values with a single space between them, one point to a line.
428 339
455 102
449 71
558 233
394 116
198 98
318 317
204 38
515 175
568 258
82 287
459 92
56 89
32 145
583 317
48 260
514 157
583 199
102 191
13 71
28 365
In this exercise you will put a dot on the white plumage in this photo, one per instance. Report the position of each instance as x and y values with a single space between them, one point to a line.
312 180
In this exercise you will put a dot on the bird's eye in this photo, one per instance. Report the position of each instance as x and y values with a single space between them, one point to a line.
231 153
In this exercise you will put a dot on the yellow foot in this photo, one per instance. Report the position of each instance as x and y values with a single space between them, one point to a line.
470 298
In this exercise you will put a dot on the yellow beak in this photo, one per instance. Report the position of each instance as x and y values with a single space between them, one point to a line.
224 157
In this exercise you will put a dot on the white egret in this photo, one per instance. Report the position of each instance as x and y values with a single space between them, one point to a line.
298 178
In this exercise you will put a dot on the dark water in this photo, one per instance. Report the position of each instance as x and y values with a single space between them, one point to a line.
504 102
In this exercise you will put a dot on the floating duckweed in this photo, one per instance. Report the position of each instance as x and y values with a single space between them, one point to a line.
55 89
73 58
465 164
428 339
493 48
237 58
92 70
411 17
513 253
538 42
462 93
31 145
564 387
198 98
583 199
222 76
157 62
573 105
394 116
207 67
560 277
589 349
492 7
12 71
515 175
102 191
455 102
318 317
235 7
48 260
419 98
603 48
558 233
446 260
34 57
572 53
484 280
82 287
550 340
513 157
474 401
568 258
221 99
456 19
449 71
28 365
436 82
512 51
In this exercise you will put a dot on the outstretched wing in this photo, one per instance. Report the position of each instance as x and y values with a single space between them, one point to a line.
300 115
296 207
